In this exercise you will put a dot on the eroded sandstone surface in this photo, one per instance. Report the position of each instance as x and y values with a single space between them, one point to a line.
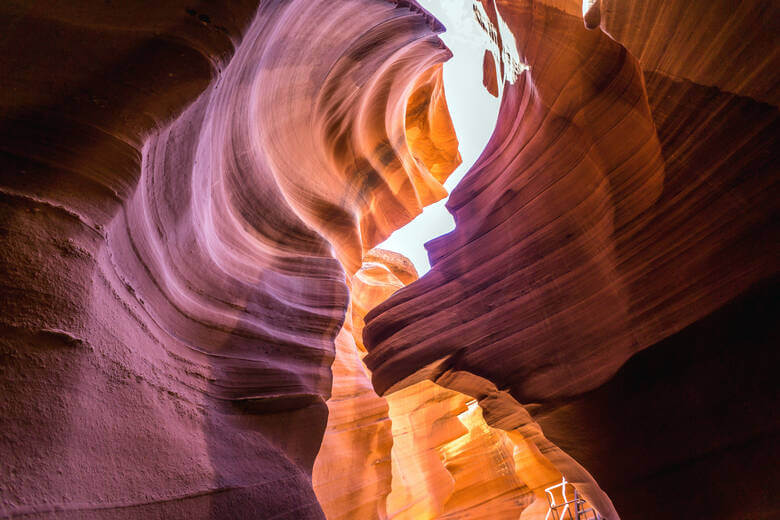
184 187
423 452
628 194
195 325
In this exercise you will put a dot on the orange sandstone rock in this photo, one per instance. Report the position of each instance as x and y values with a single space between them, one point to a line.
352 473
429 129
489 74
614 244
443 461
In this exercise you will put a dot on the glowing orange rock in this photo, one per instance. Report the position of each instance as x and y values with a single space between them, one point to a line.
611 251
352 473
443 459
429 129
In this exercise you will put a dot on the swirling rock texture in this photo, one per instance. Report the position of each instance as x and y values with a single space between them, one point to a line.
421 453
188 192
353 472
183 188
612 276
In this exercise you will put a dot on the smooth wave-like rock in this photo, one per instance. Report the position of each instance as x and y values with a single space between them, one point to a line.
421 453
189 195
628 193
353 472
184 187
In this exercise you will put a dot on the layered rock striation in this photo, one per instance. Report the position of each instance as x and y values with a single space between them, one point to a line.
423 452
608 239
183 189
188 196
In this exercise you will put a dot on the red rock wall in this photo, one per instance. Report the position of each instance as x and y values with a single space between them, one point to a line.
186 188
628 192
183 188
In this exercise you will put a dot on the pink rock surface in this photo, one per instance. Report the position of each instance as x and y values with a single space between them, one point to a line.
187 191
183 189
628 193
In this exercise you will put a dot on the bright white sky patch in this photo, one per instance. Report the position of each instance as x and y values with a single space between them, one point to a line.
474 112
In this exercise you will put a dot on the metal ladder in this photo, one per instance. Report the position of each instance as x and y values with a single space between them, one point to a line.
566 509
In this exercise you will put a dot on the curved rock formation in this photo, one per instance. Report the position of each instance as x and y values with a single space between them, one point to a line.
188 196
353 472
421 453
173 282
490 76
628 192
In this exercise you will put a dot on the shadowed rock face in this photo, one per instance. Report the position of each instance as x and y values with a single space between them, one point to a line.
183 188
628 192
188 196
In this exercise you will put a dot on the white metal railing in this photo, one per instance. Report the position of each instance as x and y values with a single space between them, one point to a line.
567 509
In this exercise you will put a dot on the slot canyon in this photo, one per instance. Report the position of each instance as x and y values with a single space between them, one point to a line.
200 319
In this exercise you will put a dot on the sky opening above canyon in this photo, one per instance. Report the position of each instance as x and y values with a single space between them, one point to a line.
474 112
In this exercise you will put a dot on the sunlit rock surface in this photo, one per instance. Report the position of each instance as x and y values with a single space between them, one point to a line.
183 188
352 474
424 452
188 196
613 269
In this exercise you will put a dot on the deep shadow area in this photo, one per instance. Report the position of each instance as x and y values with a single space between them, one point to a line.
696 412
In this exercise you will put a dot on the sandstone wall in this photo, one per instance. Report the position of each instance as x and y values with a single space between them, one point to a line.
628 193
183 188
